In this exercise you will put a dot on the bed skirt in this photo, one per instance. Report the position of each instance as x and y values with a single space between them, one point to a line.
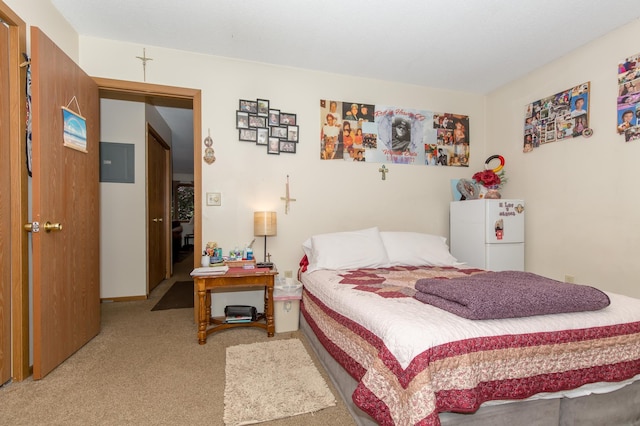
621 407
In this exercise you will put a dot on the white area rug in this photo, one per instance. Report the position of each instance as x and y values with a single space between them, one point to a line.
272 380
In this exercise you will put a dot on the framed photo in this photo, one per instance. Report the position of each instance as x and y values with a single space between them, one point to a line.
257 121
279 132
242 120
274 117
292 134
274 146
74 133
288 147
249 106
263 107
287 119
248 135
263 136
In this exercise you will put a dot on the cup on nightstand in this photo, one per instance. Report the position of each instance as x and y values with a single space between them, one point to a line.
206 261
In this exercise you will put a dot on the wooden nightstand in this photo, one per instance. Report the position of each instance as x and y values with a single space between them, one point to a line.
236 278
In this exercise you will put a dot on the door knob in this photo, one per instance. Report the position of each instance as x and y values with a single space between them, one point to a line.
48 227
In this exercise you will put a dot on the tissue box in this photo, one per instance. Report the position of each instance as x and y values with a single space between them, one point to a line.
286 306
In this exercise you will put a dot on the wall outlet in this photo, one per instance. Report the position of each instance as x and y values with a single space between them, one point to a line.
214 199
569 279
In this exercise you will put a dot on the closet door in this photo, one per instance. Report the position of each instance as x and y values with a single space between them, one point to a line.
159 220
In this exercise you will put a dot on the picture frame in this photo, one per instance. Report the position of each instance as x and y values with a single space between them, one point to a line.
249 106
279 132
274 117
292 133
262 136
288 147
287 119
248 135
274 146
74 132
257 121
242 120
263 107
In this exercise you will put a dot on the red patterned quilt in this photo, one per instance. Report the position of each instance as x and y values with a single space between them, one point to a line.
413 361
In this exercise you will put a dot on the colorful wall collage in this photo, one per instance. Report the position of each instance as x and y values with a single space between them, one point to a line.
354 131
561 116
629 98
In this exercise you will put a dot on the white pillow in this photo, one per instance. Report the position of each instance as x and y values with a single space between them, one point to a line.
346 250
416 249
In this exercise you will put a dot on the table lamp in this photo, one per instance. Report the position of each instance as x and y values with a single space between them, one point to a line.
265 224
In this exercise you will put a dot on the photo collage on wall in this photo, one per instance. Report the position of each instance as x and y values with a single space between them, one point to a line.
355 131
257 122
558 117
629 98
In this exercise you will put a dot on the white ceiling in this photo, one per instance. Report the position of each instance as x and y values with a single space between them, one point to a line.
464 45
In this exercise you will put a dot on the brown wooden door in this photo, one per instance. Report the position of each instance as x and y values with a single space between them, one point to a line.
5 212
158 219
65 188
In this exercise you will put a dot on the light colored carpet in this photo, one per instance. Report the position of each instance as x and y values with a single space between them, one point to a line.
146 368
272 380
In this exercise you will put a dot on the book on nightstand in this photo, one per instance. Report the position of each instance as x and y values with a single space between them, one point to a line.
210 270
237 318
239 263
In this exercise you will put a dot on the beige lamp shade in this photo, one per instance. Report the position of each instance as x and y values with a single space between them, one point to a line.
265 224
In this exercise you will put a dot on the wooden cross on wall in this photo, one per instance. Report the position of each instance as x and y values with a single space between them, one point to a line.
384 172
287 199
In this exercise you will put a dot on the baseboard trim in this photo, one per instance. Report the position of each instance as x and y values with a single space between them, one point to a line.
122 299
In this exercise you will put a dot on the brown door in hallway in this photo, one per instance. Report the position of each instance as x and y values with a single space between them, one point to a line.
66 258
5 213
158 215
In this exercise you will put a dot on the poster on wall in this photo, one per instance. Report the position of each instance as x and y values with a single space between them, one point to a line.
564 115
355 131
629 98
74 133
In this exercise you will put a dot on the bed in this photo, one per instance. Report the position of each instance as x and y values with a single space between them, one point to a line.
399 361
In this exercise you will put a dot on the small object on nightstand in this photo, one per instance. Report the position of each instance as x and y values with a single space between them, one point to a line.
264 265
239 263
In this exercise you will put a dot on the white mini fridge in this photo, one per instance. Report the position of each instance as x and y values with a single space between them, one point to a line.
488 234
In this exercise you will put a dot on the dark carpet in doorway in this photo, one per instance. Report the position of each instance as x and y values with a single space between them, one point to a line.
179 296
185 252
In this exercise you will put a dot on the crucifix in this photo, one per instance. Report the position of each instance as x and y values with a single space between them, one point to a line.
144 60
287 199
384 172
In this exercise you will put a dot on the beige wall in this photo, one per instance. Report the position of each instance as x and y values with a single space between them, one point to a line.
123 238
583 211
331 195
122 206
582 208
42 14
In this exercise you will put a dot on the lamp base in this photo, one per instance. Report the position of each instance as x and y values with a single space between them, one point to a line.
265 249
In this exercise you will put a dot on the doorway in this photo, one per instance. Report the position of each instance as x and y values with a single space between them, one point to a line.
111 89
163 99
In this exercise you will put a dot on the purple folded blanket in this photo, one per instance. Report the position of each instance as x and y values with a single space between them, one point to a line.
508 294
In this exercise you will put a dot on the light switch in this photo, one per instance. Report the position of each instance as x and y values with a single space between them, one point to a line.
214 199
